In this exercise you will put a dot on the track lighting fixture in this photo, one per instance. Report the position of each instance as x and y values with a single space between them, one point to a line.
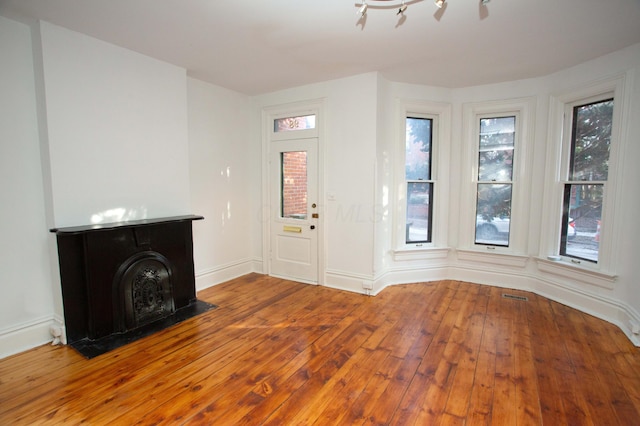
401 5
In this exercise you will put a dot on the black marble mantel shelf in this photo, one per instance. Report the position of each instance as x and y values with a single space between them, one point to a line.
132 223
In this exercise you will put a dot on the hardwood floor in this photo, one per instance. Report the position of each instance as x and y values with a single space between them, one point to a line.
277 352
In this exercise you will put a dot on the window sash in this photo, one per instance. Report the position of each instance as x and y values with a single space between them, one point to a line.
493 213
497 139
419 188
596 164
419 212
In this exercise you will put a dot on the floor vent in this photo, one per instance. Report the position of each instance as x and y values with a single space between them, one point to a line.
514 297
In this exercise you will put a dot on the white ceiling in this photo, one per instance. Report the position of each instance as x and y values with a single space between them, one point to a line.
255 47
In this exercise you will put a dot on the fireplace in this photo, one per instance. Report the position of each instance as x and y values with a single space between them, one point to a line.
143 290
124 281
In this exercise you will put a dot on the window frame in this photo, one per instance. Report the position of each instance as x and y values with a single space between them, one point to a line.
523 109
440 114
569 144
429 181
510 182
558 154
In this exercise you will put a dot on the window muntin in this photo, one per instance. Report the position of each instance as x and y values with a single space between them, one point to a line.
588 172
418 182
495 180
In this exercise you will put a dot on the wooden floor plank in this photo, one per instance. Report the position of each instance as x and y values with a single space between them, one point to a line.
377 395
481 402
549 356
468 343
278 352
426 394
504 393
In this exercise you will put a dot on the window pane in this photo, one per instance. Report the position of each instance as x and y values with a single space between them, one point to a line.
497 136
493 214
581 221
294 185
418 149
419 196
289 124
591 141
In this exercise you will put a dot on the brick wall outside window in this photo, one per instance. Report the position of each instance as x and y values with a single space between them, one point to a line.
294 186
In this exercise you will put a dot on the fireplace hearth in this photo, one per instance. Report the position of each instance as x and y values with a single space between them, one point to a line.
123 281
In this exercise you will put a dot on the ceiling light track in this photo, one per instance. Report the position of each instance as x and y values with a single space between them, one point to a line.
400 7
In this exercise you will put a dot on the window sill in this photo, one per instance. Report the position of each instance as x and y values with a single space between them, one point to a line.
564 269
494 258
420 253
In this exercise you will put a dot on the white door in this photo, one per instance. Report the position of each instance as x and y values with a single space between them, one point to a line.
294 209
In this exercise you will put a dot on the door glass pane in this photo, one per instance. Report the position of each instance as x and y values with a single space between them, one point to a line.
591 141
493 218
581 221
419 195
293 183
495 162
289 124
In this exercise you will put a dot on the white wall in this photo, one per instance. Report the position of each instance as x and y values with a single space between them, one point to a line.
225 175
117 131
27 304
349 171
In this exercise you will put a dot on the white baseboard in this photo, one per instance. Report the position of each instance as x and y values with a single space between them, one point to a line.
223 273
605 308
349 282
356 282
408 275
26 336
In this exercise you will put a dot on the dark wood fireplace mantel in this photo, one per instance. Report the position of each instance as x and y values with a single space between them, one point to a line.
122 281
133 223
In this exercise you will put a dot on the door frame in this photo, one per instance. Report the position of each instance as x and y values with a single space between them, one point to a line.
269 114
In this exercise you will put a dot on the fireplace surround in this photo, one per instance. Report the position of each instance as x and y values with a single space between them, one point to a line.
123 281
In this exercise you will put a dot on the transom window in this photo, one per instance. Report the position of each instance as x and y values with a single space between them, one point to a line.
289 124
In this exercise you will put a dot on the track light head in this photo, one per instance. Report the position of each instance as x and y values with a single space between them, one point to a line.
402 8
484 1
439 3
363 9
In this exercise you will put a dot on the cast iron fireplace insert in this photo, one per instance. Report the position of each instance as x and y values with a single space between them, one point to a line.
124 281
